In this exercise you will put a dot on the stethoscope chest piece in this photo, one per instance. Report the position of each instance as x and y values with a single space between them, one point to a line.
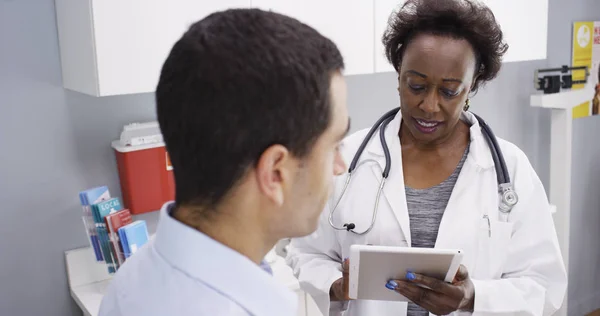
508 198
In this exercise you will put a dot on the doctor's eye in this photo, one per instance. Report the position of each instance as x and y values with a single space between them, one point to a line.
450 93
416 88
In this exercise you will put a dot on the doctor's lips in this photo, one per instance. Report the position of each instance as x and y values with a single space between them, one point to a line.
426 126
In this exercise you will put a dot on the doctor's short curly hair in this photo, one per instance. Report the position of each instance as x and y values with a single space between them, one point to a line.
460 19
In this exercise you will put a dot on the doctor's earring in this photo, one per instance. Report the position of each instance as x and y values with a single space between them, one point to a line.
467 104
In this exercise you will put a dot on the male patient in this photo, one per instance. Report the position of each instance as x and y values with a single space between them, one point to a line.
252 107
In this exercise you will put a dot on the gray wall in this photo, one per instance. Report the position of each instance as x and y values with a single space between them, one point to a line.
52 144
55 143
584 265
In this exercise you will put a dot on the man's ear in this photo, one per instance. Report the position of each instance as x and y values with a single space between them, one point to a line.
273 172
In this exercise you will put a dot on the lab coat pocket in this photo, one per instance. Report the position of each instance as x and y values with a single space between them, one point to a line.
494 242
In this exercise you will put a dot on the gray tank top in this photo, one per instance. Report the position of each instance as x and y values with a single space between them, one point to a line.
425 209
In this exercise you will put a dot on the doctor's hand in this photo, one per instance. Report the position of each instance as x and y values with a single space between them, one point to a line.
437 296
339 288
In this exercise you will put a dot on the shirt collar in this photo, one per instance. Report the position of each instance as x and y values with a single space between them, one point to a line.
221 268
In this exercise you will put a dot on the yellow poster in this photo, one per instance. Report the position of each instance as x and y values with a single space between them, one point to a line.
586 52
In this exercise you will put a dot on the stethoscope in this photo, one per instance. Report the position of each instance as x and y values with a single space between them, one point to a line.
507 195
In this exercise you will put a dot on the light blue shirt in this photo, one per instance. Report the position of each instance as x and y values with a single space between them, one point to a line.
184 272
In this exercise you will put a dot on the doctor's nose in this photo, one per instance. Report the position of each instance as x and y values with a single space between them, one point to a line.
431 102
339 165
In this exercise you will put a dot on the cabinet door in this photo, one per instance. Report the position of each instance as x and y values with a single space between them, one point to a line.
348 23
134 37
383 11
525 27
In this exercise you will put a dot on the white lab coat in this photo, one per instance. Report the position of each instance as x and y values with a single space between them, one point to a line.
519 270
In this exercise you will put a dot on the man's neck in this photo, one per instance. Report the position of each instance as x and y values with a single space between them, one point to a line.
244 236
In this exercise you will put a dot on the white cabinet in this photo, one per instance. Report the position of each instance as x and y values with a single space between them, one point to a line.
112 47
383 10
525 27
348 23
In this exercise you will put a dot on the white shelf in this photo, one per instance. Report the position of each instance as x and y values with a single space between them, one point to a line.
88 279
563 100
88 297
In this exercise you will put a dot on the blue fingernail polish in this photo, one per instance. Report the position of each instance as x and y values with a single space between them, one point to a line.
392 285
410 276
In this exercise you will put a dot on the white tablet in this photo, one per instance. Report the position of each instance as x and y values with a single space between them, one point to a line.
371 267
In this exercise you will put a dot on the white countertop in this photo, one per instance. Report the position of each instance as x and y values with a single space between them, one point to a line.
89 297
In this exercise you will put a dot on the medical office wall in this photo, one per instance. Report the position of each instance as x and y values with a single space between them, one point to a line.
584 252
54 142
103 53
584 265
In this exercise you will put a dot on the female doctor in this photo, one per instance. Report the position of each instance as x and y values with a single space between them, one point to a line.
442 187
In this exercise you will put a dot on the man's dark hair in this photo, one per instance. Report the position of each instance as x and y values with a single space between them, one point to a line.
460 19
237 82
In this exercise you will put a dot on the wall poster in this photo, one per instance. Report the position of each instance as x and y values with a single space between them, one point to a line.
586 52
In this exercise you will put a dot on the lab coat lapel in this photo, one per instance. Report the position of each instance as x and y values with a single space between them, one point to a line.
464 212
462 215
393 191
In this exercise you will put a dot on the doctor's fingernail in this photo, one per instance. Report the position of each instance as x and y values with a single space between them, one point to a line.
410 276
392 285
